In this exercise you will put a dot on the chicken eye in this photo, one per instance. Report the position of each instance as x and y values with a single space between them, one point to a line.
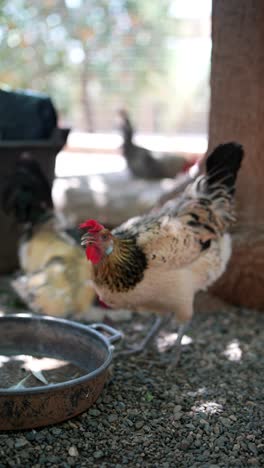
104 237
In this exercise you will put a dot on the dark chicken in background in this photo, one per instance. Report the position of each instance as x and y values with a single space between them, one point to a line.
159 261
145 163
55 276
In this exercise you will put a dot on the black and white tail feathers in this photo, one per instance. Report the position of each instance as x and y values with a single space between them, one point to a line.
27 192
222 166
209 199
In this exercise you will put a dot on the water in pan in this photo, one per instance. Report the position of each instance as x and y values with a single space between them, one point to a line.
26 371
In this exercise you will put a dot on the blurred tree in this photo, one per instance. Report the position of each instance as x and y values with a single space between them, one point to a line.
73 48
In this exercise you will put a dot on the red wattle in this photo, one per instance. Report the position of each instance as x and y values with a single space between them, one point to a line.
93 253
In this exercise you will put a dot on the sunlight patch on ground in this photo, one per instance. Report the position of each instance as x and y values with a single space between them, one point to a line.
233 352
77 164
187 143
167 340
200 391
99 153
138 327
209 407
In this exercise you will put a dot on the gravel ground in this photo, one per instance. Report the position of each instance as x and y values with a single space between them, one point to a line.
207 412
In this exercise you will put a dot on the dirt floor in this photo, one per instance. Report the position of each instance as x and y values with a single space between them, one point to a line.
207 412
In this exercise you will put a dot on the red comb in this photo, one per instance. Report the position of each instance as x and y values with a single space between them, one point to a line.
91 225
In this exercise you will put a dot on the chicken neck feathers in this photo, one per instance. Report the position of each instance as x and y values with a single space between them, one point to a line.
122 271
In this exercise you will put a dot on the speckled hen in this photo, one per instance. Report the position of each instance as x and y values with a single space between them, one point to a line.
159 261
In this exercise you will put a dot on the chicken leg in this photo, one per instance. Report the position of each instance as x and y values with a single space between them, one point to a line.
178 346
158 323
139 348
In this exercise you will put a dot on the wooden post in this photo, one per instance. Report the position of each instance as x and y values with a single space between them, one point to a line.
237 114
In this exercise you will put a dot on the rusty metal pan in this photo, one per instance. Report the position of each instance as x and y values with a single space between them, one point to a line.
76 359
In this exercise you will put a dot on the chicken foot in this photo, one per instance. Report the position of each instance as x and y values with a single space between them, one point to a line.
158 323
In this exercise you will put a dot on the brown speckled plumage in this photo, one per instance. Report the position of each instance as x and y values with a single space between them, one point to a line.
160 260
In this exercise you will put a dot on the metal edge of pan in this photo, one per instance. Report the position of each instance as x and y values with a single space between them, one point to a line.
69 383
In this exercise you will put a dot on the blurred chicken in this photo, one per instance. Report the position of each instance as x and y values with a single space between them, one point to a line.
56 276
159 261
143 162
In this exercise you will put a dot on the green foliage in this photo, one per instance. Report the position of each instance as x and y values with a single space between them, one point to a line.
62 47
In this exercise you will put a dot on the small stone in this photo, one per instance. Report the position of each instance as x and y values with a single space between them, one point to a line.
54 459
98 454
129 422
30 436
94 412
216 429
177 409
112 418
147 428
39 437
56 431
202 422
225 421
71 424
221 441
185 444
9 443
189 439
171 405
121 405
206 428
190 426
206 454
139 424
222 400
178 416
73 451
21 442
252 447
